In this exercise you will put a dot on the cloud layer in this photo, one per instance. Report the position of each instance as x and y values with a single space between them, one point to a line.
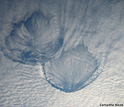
68 39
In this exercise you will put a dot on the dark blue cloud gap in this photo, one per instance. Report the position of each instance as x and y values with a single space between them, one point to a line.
72 71
33 40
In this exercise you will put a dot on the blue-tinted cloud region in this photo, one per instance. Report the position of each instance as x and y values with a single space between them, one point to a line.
59 35
72 71
34 40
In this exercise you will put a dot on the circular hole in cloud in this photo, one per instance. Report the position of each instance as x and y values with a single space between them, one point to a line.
73 70
34 40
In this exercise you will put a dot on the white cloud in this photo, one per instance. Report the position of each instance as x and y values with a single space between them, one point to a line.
100 27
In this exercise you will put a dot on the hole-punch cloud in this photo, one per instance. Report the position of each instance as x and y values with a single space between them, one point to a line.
39 40
72 71
34 40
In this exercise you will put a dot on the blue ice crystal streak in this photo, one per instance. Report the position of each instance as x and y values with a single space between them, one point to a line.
72 71
34 40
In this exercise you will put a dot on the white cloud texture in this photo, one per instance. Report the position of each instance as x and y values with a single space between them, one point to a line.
97 25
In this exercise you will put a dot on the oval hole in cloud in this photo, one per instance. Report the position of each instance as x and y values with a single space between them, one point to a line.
72 71
34 40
